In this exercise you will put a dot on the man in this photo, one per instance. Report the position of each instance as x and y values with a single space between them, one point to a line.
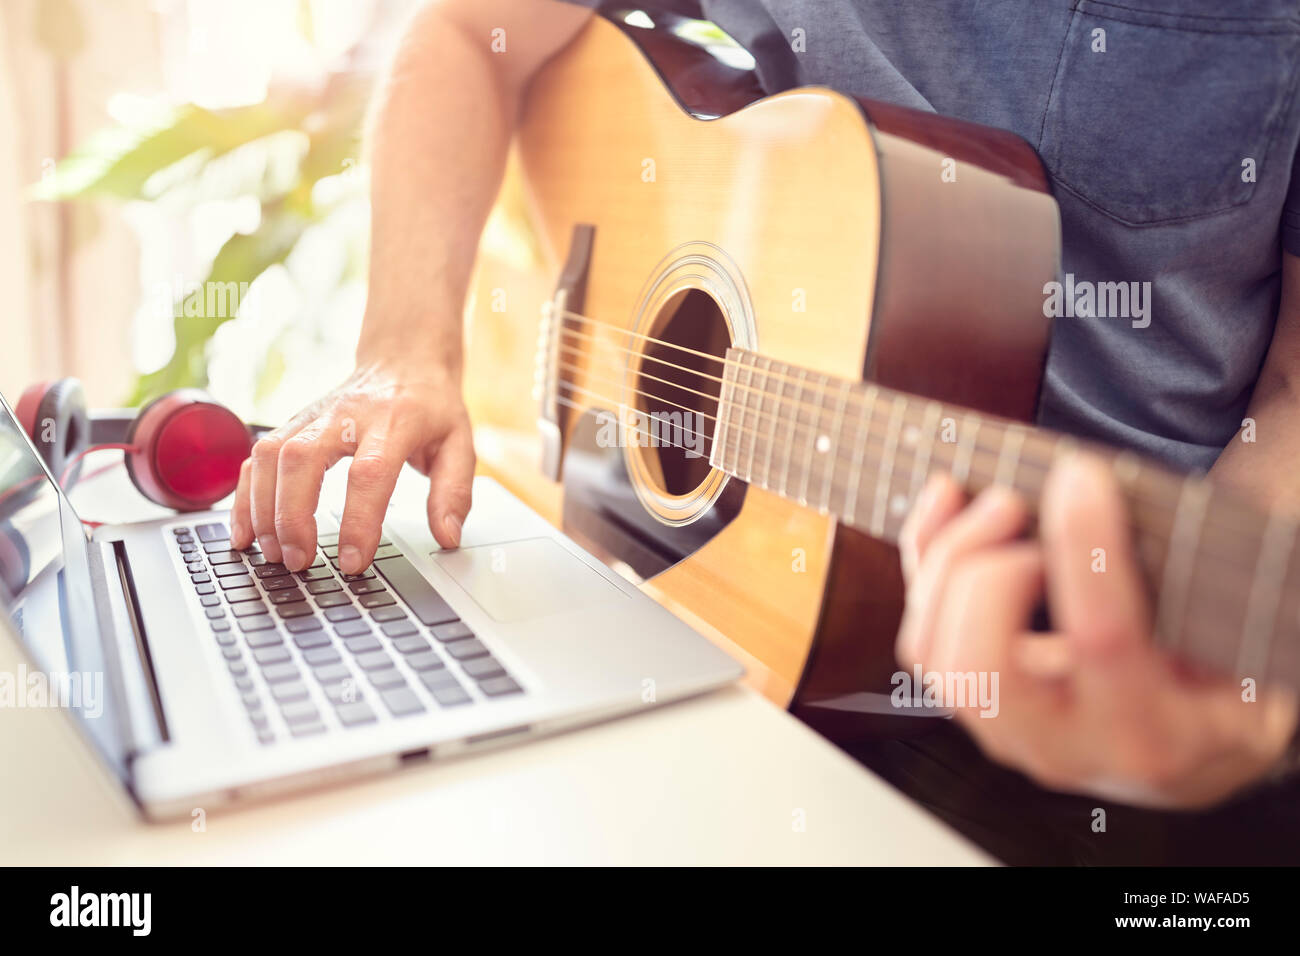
1169 129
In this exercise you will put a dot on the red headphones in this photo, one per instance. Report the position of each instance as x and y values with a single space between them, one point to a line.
183 450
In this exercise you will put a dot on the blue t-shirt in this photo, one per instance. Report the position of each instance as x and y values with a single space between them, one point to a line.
1170 130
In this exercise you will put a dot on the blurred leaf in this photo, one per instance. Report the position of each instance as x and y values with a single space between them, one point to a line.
118 161
242 259
272 373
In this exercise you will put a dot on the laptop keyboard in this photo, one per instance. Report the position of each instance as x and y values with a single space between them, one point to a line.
383 638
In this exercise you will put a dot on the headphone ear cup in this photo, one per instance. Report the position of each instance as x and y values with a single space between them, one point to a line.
55 418
186 450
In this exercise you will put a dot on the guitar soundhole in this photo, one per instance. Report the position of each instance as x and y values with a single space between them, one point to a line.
677 387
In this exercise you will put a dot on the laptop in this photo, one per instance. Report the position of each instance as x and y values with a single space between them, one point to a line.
206 676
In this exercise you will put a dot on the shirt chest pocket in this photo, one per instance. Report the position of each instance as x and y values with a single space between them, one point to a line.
1155 118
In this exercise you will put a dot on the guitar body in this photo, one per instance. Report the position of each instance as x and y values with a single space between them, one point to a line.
810 227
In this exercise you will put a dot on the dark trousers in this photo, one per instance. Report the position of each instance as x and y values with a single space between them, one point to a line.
1022 824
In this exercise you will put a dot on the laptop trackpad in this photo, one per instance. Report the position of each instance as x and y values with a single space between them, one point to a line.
526 579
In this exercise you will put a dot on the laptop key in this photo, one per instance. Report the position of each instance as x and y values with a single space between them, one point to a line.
409 645
229 584
315 574
388 614
357 712
311 639
332 600
378 599
464 650
344 692
236 595
324 587
321 655
332 673
342 613
279 584
500 686
365 587
365 575
201 578
307 730
248 609
257 560
374 660
230 653
426 661
219 544
209 600
386 678
449 695
439 678
279 673
221 626
284 693
425 603
352 628
286 596
205 589
259 623
270 570
300 609
481 668
400 629
225 557
212 531
215 613
225 638
301 625
362 645
401 701
275 654
299 711
456 631
227 570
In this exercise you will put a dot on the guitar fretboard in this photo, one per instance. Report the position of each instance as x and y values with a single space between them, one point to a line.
1222 574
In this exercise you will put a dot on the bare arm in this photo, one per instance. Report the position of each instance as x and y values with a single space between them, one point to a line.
441 128
1264 461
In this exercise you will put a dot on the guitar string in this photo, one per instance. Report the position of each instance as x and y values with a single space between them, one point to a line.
820 408
854 406
907 457
1160 531
1038 455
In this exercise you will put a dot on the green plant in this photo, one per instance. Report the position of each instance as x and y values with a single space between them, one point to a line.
276 151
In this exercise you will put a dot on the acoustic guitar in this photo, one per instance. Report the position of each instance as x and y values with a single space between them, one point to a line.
766 321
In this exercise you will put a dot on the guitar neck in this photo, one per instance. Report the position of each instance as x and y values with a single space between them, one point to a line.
1221 573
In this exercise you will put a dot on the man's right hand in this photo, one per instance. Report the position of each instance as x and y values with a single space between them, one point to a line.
384 415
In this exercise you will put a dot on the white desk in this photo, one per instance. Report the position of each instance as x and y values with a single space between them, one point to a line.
722 779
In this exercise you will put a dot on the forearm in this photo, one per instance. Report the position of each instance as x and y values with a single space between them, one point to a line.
438 144
1263 458
439 137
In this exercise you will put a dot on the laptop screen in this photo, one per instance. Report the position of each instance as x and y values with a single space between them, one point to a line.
45 591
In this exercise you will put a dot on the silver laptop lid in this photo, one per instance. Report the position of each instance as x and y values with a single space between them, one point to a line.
46 594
